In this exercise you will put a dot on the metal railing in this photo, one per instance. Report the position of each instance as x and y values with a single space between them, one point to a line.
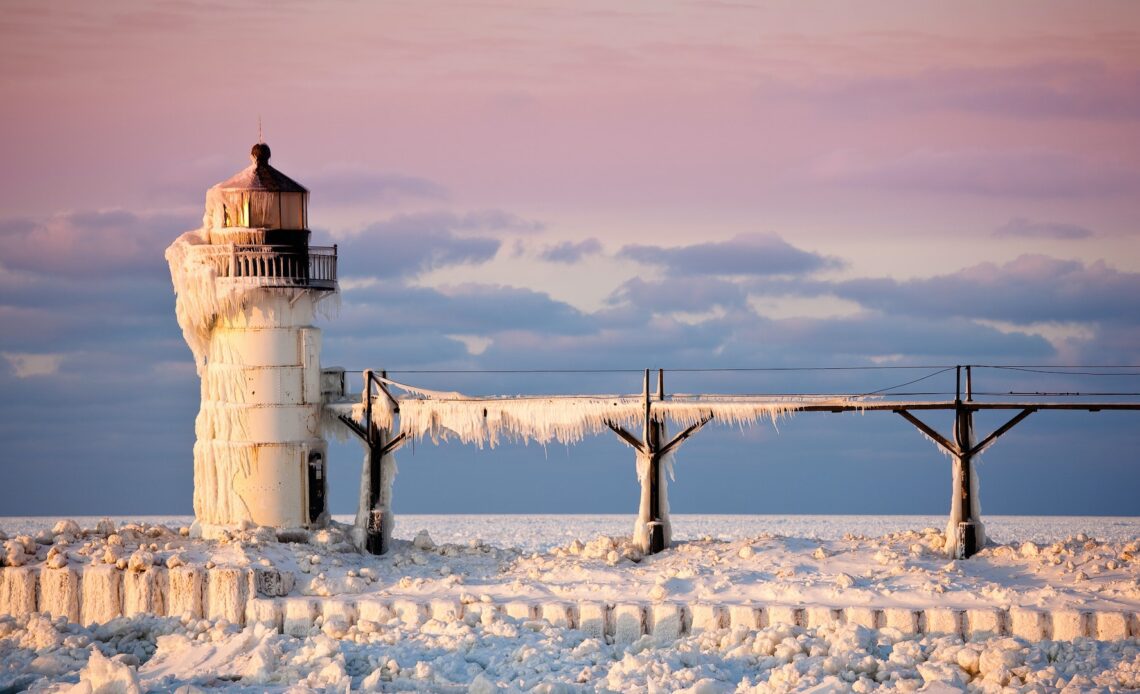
312 267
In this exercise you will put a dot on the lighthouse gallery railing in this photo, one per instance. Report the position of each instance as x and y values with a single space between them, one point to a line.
311 267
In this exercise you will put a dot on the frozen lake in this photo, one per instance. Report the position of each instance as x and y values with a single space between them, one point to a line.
541 532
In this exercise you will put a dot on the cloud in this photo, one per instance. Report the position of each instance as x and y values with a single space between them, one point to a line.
742 340
498 221
685 294
1114 343
1036 91
1030 173
569 252
1030 91
462 309
1020 227
346 184
1028 289
523 329
411 244
749 254
89 244
15 227
28 365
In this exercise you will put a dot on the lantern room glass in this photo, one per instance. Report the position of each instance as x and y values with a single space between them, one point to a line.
265 210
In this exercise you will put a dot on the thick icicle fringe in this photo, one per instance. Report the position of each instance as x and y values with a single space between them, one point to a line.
196 303
682 414
424 392
567 420
360 524
494 421
203 293
443 416
383 412
331 425
383 416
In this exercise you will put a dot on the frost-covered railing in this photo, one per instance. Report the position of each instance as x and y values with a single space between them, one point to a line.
568 419
312 267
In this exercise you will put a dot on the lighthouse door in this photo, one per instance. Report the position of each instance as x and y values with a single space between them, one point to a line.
316 486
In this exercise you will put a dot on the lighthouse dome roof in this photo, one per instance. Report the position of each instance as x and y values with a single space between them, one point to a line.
260 176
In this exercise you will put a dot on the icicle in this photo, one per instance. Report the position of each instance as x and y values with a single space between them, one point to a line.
644 517
641 523
415 390
666 477
360 524
683 413
204 291
331 425
562 419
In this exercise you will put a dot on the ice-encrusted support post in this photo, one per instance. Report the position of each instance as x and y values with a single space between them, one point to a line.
968 533
653 484
965 533
967 529
652 532
374 517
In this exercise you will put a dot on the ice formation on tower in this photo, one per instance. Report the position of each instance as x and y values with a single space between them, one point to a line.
247 286
958 512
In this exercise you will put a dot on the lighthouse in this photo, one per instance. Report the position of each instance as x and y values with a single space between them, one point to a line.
248 285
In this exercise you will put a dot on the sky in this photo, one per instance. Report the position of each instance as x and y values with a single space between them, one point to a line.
590 185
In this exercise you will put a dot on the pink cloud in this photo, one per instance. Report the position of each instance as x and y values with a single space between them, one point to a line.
1033 173
89 244
1033 91
1027 228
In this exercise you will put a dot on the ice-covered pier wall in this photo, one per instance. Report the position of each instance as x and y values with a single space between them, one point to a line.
241 595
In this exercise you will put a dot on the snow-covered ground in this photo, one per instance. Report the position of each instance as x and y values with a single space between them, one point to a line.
830 561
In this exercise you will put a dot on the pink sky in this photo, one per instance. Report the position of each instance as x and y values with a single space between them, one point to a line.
821 122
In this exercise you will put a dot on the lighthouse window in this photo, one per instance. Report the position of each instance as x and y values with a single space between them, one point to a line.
263 211
234 209
293 211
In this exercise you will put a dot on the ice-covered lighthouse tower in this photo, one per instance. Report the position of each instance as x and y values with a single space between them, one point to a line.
248 284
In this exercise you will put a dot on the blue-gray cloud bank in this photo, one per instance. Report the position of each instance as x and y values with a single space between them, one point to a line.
100 391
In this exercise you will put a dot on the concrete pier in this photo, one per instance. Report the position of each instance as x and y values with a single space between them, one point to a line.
240 595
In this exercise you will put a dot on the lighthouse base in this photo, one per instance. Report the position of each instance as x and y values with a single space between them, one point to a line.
242 485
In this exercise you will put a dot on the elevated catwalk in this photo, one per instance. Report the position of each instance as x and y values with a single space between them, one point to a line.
383 422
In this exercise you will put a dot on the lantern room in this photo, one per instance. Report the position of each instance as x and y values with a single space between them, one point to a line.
256 223
258 205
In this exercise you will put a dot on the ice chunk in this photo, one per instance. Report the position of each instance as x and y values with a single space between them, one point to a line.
109 676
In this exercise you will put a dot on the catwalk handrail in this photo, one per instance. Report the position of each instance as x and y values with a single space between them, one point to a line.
875 400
